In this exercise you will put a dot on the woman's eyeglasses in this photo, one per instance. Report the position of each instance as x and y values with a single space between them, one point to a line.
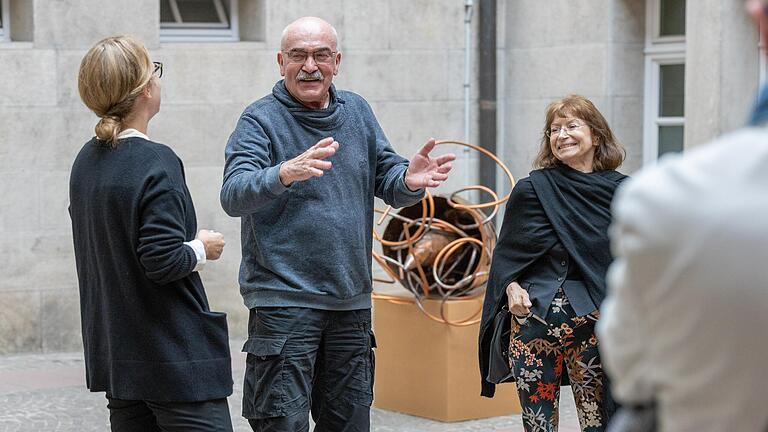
158 69
554 131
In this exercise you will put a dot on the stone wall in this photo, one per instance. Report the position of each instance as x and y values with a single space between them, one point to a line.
404 56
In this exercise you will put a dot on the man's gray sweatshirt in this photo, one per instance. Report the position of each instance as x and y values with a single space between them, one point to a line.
309 244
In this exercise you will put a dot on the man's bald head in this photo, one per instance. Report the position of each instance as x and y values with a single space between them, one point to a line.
309 27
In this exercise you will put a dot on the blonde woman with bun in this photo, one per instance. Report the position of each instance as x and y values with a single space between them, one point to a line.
151 341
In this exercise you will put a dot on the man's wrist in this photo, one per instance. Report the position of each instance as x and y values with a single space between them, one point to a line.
283 176
405 182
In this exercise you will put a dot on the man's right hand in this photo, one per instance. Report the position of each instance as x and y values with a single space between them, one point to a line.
518 300
213 242
310 163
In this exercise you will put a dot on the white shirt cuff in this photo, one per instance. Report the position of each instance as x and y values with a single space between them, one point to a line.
199 248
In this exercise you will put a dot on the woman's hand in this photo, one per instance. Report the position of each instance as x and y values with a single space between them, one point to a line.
213 242
519 302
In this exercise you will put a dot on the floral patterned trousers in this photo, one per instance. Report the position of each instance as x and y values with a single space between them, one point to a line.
539 355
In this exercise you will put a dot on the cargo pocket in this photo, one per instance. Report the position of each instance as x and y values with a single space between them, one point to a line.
263 389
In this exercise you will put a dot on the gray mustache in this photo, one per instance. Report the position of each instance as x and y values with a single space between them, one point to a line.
303 76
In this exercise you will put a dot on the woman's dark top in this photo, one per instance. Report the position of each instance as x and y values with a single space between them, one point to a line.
555 214
552 271
148 332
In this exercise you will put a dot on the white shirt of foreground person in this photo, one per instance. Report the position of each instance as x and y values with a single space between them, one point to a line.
685 323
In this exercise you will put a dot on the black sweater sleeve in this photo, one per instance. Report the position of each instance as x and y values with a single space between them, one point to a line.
162 233
525 235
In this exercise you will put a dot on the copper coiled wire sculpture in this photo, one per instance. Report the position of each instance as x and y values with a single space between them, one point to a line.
441 248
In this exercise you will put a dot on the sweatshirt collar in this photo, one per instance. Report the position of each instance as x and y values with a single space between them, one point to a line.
322 119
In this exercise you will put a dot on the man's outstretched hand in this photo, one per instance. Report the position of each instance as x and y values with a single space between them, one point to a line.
425 171
309 164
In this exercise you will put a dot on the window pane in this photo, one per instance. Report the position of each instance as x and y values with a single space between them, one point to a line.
672 18
165 12
670 139
198 11
671 90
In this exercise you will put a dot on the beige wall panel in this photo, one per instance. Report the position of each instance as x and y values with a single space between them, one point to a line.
365 25
26 78
20 208
396 76
627 21
533 23
79 24
626 70
213 73
408 28
741 71
455 72
703 88
627 125
721 70
533 73
53 187
60 320
20 326
67 68
43 260
525 118
43 138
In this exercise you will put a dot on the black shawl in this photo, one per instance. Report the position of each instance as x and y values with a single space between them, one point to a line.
553 204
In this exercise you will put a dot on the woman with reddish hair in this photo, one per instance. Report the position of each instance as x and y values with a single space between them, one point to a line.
549 266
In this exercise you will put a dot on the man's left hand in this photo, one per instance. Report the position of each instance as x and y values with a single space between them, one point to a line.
424 171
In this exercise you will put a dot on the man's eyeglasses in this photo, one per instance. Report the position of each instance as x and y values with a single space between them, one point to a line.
323 56
570 128
158 69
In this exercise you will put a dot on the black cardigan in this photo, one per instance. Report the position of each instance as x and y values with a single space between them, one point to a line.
148 332
553 205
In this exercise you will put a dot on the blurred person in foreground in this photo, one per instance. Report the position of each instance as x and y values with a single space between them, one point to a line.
151 342
549 268
684 325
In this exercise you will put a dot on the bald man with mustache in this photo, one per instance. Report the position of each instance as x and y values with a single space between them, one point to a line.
303 166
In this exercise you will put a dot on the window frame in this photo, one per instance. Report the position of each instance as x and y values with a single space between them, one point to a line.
203 32
659 51
654 19
5 18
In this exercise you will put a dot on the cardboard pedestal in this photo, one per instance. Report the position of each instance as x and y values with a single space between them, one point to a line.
430 369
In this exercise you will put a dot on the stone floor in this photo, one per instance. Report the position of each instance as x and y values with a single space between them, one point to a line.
47 393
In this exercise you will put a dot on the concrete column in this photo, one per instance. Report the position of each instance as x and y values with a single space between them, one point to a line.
721 68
